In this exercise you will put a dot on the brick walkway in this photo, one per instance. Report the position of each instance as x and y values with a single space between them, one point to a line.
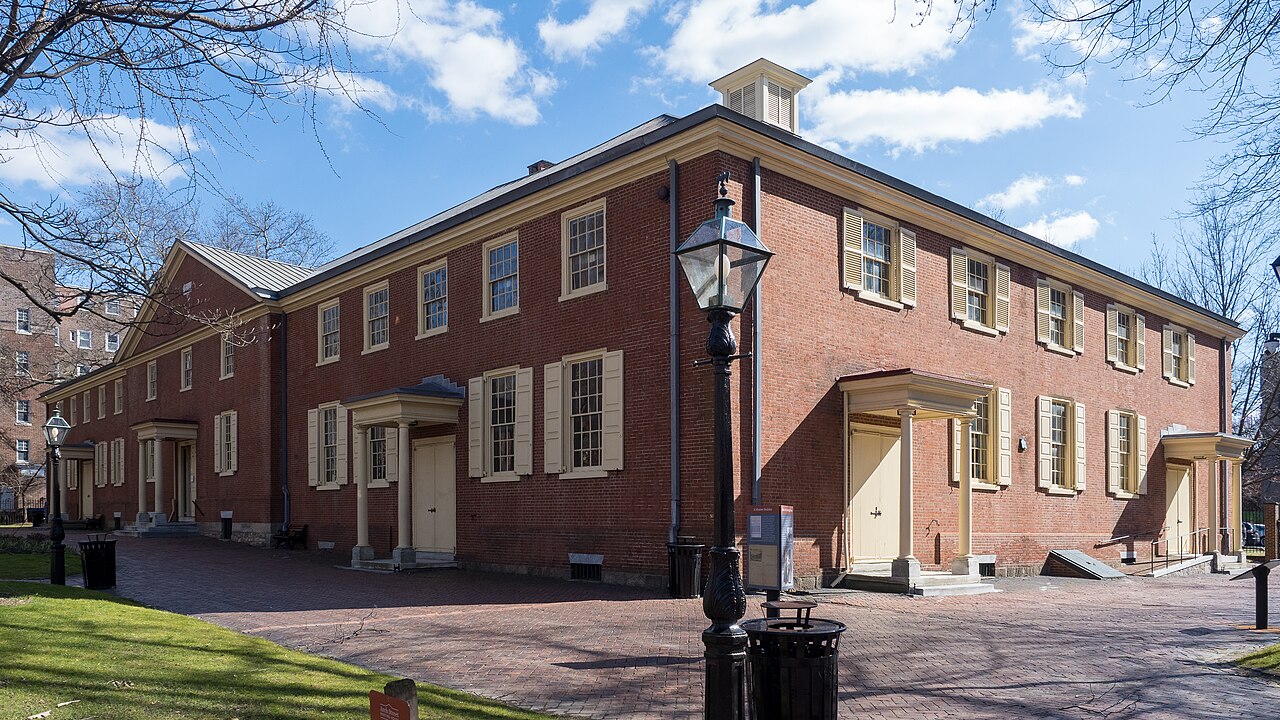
1043 648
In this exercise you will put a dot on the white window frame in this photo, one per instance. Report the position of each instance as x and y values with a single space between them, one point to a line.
226 445
1185 376
148 452
480 426
367 321
321 309
557 423
995 317
226 357
22 363
567 218
119 396
153 381
22 321
102 401
20 408
424 316
71 405
112 308
85 410
489 439
84 339
316 471
998 461
186 369
1136 361
1074 447
22 447
82 369
112 342
1138 455
371 463
487 313
1073 310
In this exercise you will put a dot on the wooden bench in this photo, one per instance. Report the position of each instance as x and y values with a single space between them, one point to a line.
290 535
94 523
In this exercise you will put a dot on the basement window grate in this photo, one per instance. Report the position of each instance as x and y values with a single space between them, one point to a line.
987 569
586 567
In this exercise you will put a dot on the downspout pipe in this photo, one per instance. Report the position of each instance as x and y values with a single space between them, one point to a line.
1223 469
673 197
757 377
284 418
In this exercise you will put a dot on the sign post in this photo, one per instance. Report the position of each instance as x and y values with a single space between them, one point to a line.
1270 514
1260 574
770 551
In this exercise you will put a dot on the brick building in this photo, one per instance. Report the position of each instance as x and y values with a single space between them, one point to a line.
510 383
41 351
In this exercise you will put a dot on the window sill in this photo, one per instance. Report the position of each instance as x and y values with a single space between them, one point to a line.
584 474
328 486
1125 495
503 478
1124 368
978 485
1059 490
182 390
979 328
379 484
376 348
585 291
22 332
330 361
432 333
24 424
226 473
1056 348
878 299
1178 383
506 312
149 399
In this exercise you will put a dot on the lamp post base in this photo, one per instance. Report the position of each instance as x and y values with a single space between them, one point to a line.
725 602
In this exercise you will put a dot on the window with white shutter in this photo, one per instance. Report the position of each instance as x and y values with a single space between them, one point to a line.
225 443
1059 317
500 424
1126 339
878 259
979 291
327 446
1179 355
1060 446
583 415
991 442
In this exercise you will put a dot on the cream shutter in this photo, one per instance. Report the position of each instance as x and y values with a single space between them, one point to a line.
1142 454
1043 429
119 478
342 445
1141 324
1113 452
1004 431
851 250
1042 311
1191 359
1002 298
907 267
1078 441
217 443
1077 329
1113 334
313 448
392 445
235 441
475 427
552 430
524 421
957 449
959 284
1167 337
612 452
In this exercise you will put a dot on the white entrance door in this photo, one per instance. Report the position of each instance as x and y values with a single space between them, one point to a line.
1179 521
186 472
434 496
875 490
84 476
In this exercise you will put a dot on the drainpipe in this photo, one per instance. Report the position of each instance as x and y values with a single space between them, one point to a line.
674 411
757 390
284 417
1224 425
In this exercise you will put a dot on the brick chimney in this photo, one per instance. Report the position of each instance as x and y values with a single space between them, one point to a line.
539 166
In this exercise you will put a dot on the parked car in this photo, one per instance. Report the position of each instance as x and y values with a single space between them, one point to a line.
1255 534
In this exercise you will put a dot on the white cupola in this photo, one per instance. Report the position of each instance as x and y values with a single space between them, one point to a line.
763 91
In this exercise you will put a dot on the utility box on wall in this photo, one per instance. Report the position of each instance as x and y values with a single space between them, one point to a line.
771 548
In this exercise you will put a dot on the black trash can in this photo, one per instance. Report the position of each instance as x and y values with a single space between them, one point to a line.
35 516
792 668
98 556
684 562
226 526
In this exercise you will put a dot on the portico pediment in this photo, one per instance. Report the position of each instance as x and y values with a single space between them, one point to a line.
166 430
434 401
1192 446
929 395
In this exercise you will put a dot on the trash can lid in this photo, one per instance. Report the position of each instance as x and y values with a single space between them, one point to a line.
788 627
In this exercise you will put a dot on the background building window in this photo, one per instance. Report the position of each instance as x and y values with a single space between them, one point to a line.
82 369
84 339
112 308
24 451
503 262
113 342
22 363
22 322
23 412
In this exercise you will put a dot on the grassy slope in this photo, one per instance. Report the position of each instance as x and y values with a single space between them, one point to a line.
126 662
1266 659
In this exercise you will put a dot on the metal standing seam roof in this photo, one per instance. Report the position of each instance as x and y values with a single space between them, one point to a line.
266 278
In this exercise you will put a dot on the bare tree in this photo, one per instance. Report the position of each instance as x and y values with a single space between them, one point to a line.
269 231
146 86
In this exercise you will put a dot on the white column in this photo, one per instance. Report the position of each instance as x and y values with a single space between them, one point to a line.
157 459
1237 507
64 466
404 547
1216 502
362 550
964 563
143 515
906 565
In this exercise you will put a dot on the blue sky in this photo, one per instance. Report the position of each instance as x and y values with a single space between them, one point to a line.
466 94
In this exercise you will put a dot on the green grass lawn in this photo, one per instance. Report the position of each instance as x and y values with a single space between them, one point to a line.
34 567
126 662
1266 659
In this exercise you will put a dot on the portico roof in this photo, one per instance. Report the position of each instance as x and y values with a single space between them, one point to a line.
433 401
166 430
930 395
79 451
1204 446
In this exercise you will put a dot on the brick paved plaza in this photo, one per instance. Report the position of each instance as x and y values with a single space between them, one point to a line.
1042 648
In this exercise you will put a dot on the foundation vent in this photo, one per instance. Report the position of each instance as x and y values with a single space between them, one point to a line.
583 566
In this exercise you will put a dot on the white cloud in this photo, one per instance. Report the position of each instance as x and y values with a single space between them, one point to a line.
602 21
1023 191
1036 32
920 120
349 90
52 156
713 37
1062 229
1074 180
460 45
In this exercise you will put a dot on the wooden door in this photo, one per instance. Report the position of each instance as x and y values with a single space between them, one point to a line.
84 476
186 472
435 496
875 491
1179 522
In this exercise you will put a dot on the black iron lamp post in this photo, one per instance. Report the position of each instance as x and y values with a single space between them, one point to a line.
723 261
55 433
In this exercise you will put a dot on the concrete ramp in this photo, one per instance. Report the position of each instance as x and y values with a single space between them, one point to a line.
1074 563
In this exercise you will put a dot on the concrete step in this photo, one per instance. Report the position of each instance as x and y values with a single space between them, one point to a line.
173 529
1198 563
927 584
969 588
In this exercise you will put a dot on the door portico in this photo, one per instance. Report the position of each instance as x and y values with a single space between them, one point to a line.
1225 528
157 440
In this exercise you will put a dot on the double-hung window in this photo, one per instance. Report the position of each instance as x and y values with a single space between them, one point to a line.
1059 317
112 308
327 446
878 259
582 232
22 363
1126 339
1061 445
583 417
81 369
23 414
228 363
502 277
990 458
187 373
979 291
84 339
378 455
501 398
377 324
22 321
84 401
586 413
1179 355
433 309
329 342
112 342
119 391
225 442
151 380
500 409
102 401
1126 453
24 451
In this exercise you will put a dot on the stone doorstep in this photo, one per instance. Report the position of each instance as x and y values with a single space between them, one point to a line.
930 583
425 561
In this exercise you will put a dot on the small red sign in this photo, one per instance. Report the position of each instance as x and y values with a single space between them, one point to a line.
385 707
